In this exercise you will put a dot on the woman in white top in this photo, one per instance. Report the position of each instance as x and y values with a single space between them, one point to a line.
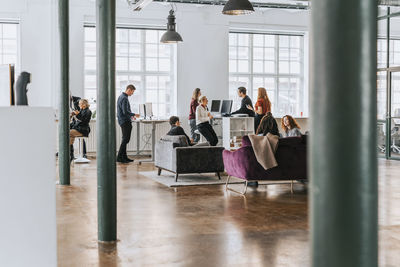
203 118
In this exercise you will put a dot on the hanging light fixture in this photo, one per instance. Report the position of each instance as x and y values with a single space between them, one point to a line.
238 7
171 36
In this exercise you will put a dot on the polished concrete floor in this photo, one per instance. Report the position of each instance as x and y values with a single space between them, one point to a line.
202 226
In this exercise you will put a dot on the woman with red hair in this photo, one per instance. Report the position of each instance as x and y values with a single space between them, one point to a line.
290 127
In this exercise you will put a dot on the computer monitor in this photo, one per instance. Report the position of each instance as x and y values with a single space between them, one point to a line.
226 106
215 105
149 109
142 110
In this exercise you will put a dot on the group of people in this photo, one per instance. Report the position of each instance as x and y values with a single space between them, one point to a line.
264 121
199 119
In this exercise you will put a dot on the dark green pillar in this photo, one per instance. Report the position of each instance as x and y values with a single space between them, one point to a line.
343 157
106 166
63 116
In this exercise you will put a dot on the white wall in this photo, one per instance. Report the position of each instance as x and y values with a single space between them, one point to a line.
202 59
35 18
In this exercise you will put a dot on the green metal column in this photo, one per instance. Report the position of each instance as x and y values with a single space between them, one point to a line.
63 117
106 166
343 153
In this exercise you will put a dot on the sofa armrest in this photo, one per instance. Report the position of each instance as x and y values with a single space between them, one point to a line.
240 163
199 159
165 157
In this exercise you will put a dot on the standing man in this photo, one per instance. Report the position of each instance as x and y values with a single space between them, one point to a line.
246 101
125 115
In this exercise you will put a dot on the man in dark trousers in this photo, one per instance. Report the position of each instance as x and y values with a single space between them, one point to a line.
125 115
246 101
176 128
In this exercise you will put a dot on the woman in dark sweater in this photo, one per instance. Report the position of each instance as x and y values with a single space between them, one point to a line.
192 115
268 125
80 123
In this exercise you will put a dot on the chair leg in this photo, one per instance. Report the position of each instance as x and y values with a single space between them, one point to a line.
176 177
219 176
159 171
230 189
291 187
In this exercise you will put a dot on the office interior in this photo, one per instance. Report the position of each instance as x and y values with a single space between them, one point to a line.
94 211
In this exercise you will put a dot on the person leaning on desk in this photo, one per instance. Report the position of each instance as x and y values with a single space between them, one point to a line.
125 115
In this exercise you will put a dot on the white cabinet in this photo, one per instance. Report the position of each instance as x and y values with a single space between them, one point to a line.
232 130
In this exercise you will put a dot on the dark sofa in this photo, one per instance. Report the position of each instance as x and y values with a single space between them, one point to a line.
173 154
291 156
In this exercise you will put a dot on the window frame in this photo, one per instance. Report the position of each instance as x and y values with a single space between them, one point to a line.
170 76
276 75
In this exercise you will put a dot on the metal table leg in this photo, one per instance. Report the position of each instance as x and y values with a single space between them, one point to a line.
153 143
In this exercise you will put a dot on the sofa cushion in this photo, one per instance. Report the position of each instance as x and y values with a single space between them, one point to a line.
177 140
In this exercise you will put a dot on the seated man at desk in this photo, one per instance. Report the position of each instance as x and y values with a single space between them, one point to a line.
246 101
176 129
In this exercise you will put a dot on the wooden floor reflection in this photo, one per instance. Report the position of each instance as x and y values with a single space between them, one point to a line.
202 226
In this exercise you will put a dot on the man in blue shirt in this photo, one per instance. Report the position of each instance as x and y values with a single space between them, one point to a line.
125 115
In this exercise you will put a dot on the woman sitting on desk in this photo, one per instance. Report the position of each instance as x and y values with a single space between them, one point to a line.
290 127
203 118
268 125
80 124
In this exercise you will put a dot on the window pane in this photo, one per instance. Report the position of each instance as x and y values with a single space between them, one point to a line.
90 34
258 40
152 37
295 67
10 46
10 31
135 50
284 41
269 66
243 39
90 81
151 50
243 53
269 41
243 65
269 53
151 96
258 53
90 63
258 66
165 51
121 35
151 64
283 67
232 52
295 41
90 49
232 66
283 54
122 50
164 65
10 59
135 64
122 63
135 36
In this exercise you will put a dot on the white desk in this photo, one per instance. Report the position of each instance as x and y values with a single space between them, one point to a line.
153 123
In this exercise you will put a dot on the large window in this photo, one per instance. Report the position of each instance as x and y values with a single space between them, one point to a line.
273 61
140 60
9 43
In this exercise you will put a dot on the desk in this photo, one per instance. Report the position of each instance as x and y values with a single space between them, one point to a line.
153 123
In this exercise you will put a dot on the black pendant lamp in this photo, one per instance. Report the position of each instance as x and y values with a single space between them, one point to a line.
238 7
171 36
